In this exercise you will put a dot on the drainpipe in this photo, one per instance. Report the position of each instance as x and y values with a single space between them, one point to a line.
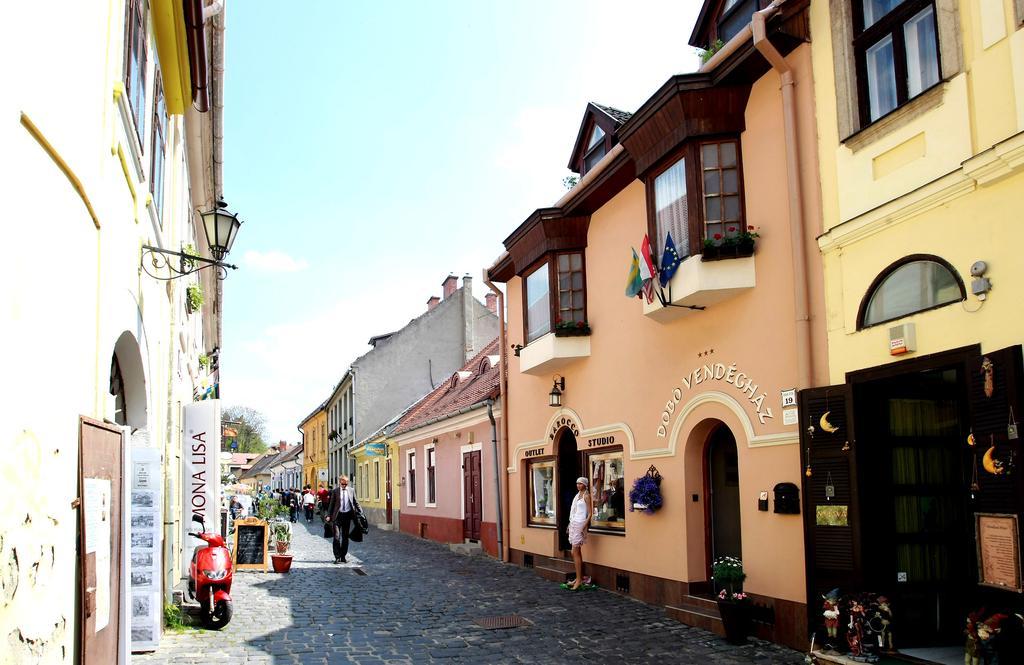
801 292
503 529
497 472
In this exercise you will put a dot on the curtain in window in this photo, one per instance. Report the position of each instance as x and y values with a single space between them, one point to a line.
671 213
922 57
538 307
881 78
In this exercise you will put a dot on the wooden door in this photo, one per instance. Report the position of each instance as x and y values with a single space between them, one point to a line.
473 503
722 521
100 451
387 491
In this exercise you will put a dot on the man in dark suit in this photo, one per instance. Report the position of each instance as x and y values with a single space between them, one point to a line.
340 511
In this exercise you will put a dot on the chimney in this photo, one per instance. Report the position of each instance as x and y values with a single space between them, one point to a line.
468 319
432 302
282 446
467 283
450 283
492 302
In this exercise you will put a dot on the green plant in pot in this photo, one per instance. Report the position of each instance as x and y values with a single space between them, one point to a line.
746 239
281 533
733 604
193 297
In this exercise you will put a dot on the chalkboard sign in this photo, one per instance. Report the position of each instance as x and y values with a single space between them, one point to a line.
250 552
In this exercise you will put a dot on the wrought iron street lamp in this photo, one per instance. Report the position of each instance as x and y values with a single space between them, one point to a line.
221 228
555 396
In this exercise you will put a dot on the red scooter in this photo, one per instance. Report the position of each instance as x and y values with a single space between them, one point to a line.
209 577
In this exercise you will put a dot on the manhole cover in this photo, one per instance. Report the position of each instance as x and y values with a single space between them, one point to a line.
506 621
359 571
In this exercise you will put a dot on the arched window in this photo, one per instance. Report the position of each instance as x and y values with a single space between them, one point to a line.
117 390
912 284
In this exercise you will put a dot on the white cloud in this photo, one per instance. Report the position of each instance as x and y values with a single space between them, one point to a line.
273 261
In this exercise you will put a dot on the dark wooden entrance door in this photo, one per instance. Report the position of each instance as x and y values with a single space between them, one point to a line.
723 479
387 491
917 535
100 451
569 469
472 486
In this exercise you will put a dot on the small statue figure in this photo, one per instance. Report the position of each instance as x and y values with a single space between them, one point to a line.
884 614
830 610
987 631
972 655
855 630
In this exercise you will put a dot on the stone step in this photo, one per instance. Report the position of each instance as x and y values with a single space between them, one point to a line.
697 616
706 603
553 574
466 549
564 565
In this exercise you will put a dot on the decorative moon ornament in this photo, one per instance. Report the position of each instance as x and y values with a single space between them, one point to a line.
970 440
826 425
991 464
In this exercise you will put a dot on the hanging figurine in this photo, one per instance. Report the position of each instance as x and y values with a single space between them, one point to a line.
987 369
987 632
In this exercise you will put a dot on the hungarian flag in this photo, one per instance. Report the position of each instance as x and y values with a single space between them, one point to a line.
647 270
634 283
669 261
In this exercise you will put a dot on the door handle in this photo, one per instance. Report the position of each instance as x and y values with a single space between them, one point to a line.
90 601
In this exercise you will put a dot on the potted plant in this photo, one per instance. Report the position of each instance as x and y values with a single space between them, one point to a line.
646 492
746 240
571 328
193 297
733 604
711 247
281 533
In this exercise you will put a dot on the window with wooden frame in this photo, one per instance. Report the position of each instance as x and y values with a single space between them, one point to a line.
157 159
431 477
607 490
135 61
896 47
376 479
541 493
696 195
410 474
544 307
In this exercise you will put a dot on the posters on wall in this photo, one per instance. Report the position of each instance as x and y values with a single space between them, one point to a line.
201 472
145 554
97 540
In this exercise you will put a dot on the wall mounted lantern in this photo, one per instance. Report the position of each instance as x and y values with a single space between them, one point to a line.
221 227
558 386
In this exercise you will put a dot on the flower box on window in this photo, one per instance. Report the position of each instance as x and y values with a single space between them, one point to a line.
702 284
572 329
552 351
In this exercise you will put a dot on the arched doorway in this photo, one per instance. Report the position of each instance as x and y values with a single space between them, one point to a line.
568 471
722 475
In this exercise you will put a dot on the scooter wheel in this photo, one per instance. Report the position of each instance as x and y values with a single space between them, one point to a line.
220 616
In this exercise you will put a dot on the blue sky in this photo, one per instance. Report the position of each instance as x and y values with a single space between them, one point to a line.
372 148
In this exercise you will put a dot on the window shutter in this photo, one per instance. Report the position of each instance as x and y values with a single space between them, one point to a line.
833 556
989 419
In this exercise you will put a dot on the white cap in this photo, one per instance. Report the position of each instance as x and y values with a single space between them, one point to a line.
583 480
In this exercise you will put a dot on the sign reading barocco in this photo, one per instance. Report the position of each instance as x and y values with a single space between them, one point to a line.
564 421
717 372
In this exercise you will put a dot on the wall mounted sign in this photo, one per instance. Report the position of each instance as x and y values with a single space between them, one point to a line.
598 441
998 541
201 462
720 372
564 421
536 452
789 397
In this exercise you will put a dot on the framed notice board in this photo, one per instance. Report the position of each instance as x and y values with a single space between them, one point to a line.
998 539
250 551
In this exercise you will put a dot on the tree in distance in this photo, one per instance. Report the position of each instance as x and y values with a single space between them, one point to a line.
251 427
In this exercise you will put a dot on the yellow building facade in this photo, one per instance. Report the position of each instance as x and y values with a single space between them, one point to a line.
314 456
920 115
374 475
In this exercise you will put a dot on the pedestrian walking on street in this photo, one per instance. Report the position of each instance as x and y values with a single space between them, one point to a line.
308 500
293 504
340 511
579 523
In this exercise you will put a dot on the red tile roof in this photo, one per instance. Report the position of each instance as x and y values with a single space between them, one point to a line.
471 385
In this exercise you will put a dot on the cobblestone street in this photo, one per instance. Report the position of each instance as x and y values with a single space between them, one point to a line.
412 601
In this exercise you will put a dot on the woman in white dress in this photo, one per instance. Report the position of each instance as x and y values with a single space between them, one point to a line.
579 522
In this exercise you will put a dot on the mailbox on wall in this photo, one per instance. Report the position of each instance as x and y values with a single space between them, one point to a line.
787 499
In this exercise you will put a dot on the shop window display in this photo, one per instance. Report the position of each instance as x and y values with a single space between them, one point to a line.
607 487
542 493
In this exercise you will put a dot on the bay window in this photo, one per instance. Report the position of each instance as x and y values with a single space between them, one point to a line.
697 196
897 51
541 493
547 307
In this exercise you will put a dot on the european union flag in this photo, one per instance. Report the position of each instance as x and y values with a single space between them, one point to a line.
669 261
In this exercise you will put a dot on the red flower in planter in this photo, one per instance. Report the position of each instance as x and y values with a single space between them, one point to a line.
580 324
732 229
718 236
